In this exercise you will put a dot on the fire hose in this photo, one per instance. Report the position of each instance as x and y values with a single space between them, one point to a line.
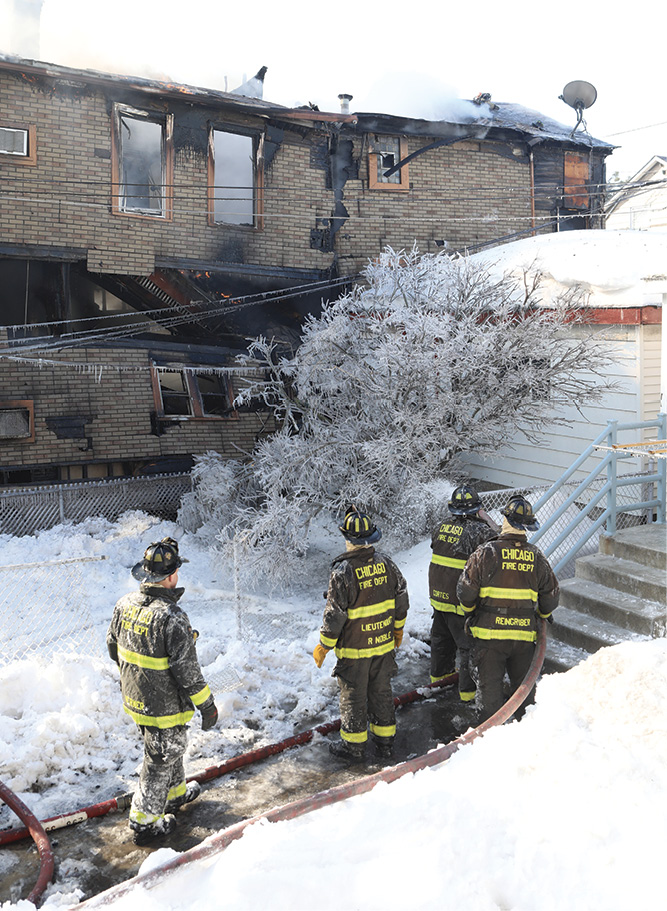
39 836
217 843
7 836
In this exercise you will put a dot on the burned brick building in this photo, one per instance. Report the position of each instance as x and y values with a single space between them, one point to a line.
149 229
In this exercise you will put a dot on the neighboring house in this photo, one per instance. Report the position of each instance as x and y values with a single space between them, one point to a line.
149 229
640 204
624 275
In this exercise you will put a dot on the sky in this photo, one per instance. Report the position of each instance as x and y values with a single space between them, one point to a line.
414 59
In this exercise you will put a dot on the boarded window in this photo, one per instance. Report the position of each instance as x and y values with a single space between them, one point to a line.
17 421
385 152
142 163
575 189
233 173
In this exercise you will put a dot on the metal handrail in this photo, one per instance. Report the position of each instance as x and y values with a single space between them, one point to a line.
609 466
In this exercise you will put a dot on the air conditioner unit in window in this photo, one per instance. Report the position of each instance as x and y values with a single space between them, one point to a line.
15 423
13 142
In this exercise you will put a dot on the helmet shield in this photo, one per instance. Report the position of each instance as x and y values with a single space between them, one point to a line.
519 513
465 501
358 528
160 560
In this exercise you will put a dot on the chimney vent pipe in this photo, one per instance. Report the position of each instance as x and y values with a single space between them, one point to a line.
345 103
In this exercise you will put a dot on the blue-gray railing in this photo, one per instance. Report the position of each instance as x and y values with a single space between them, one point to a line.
574 536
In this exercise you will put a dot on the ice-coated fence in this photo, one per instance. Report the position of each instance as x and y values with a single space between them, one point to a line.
25 510
36 615
628 513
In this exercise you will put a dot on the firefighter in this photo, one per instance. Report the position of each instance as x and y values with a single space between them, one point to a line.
506 584
466 527
151 640
364 619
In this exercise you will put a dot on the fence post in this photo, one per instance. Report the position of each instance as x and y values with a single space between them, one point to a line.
612 439
61 504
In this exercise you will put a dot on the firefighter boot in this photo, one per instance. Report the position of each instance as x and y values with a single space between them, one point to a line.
353 752
384 747
192 792
144 833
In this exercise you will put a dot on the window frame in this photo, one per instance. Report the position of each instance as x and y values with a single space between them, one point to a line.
20 405
195 397
374 182
166 121
258 176
30 158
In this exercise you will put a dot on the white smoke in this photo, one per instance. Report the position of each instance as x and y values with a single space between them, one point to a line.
418 95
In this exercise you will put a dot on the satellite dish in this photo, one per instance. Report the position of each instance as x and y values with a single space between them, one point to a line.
579 95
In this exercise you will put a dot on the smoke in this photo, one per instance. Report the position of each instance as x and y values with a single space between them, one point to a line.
418 95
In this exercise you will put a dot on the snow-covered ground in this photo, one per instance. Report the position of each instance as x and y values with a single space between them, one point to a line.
567 810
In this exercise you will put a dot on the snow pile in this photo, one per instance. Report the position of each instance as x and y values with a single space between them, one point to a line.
617 268
566 810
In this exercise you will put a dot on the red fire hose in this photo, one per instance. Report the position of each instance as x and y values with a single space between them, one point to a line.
40 838
7 836
216 843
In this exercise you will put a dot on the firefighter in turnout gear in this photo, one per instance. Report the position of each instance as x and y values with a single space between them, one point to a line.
364 618
466 527
151 640
505 585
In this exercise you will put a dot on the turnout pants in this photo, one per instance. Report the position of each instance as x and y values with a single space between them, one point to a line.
493 658
365 696
162 774
451 650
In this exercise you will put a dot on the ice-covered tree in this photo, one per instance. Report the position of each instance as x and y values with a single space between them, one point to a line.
432 358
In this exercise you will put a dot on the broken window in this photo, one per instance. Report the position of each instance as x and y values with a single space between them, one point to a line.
385 152
17 144
233 178
142 162
192 393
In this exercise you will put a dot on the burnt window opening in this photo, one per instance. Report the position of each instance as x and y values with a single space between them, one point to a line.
192 394
384 153
17 144
34 297
142 154
233 178
17 421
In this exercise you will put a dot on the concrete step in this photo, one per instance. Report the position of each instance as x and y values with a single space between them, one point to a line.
646 544
560 657
620 608
645 582
588 633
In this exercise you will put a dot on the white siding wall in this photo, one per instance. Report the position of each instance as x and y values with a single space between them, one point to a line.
637 394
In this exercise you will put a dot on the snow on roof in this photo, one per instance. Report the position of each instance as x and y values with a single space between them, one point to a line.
617 268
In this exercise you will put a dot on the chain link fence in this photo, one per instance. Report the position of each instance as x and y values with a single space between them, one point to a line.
36 616
627 516
25 510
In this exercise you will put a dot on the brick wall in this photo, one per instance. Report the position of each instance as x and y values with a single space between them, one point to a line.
116 402
64 200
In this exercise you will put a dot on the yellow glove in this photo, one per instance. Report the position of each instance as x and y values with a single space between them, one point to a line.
319 654
398 638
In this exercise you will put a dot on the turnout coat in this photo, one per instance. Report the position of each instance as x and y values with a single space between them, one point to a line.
506 583
151 640
366 601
